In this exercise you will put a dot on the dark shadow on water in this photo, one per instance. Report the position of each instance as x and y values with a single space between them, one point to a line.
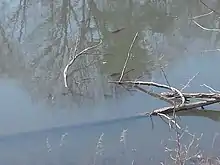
211 114
123 140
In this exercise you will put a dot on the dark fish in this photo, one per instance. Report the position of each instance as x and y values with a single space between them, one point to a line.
118 30
118 74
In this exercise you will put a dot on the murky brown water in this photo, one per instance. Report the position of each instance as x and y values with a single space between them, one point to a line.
37 41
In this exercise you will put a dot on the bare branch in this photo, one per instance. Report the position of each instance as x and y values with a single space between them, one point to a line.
209 8
169 119
161 97
210 88
200 16
187 84
204 28
128 56
152 84
164 75
74 58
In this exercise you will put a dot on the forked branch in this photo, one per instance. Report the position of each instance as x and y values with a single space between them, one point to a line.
65 72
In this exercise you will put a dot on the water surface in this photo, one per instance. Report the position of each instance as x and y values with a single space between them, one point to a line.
37 40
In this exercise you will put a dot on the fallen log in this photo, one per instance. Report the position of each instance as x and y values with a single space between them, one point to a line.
189 106
174 96
192 95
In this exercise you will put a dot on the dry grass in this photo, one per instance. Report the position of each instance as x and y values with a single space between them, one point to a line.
183 149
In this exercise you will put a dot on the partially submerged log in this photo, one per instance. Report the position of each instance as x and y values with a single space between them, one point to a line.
193 95
189 106
179 101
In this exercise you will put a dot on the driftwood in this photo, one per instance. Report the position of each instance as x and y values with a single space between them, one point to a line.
179 101
193 95
189 106
188 101
137 83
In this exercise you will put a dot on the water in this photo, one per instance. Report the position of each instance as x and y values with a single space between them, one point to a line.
37 40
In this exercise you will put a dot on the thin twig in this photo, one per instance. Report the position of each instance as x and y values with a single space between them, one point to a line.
162 70
74 58
204 28
209 8
165 76
200 16
210 88
77 43
128 56
187 84
169 119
